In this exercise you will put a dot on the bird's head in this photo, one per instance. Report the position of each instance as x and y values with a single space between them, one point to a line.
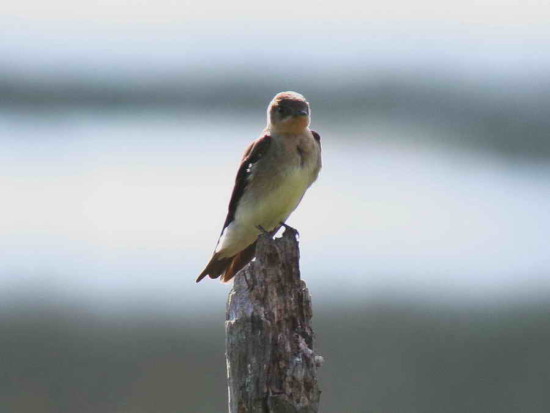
288 112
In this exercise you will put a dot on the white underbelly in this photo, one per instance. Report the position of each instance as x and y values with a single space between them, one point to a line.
272 210
267 210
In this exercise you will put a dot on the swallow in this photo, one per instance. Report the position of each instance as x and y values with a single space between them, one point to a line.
274 174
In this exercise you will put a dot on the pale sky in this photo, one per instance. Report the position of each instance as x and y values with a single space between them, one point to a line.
471 12
142 37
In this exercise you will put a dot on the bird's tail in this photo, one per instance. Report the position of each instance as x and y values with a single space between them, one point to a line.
228 267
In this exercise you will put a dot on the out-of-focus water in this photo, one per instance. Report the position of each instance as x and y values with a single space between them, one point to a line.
126 206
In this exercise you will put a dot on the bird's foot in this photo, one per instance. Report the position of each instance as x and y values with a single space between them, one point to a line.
264 231
292 230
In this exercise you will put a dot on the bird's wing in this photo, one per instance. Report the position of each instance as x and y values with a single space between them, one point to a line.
317 137
255 151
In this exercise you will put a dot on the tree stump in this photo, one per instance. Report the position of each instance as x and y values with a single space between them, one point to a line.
271 365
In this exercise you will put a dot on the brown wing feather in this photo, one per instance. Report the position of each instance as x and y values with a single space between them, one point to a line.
215 267
316 136
229 266
253 153
239 261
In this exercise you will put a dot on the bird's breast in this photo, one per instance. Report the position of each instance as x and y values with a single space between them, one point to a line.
275 187
271 203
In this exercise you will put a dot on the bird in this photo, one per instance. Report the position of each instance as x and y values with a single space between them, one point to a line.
274 174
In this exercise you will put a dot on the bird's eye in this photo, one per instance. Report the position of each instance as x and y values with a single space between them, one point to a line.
280 109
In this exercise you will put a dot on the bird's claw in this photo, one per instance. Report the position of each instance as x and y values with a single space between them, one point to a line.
263 230
289 228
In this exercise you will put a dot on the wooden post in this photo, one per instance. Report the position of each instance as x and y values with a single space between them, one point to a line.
271 366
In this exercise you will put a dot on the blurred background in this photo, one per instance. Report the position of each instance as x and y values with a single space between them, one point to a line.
424 243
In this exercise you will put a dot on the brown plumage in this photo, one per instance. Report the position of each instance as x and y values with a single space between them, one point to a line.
228 267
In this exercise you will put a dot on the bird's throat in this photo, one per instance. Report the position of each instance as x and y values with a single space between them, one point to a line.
295 126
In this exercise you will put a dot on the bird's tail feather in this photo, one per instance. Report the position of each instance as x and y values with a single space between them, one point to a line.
215 267
228 267
239 261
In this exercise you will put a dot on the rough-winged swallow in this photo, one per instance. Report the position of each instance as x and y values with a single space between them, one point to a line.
273 176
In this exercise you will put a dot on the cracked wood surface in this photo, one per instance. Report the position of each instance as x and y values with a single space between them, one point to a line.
271 365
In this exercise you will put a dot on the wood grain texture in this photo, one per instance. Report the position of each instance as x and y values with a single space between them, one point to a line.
271 365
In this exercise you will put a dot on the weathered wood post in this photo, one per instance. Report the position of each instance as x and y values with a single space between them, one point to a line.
271 365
